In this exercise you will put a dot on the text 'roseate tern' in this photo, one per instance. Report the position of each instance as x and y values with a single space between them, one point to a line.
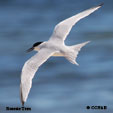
55 46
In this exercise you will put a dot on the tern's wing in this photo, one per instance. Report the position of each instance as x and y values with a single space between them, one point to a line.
29 69
63 28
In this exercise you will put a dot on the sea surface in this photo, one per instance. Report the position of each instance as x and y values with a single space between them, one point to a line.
59 86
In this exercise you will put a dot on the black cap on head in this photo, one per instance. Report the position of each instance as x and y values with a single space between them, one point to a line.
36 44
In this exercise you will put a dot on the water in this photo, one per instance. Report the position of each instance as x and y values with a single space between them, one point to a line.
59 86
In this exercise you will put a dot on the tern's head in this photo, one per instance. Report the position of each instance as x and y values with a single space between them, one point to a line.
35 45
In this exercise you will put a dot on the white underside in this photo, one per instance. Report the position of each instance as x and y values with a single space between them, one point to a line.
57 54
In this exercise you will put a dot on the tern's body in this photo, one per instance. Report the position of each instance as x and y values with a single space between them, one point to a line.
55 46
60 50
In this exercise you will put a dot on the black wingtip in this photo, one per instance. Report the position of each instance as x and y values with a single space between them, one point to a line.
101 4
23 103
21 96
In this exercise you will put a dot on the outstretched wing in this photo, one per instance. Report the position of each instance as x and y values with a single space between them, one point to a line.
29 69
63 28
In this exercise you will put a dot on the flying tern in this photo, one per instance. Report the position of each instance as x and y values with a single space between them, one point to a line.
55 46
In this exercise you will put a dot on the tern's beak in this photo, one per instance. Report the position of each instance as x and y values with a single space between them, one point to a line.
30 49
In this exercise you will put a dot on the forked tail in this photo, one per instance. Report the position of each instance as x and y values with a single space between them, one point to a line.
71 56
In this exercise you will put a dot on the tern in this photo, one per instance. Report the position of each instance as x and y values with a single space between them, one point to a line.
55 46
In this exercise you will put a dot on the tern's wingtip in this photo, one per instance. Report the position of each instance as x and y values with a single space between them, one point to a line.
101 4
88 42
23 103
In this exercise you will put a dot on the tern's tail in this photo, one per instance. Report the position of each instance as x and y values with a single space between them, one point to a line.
71 56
